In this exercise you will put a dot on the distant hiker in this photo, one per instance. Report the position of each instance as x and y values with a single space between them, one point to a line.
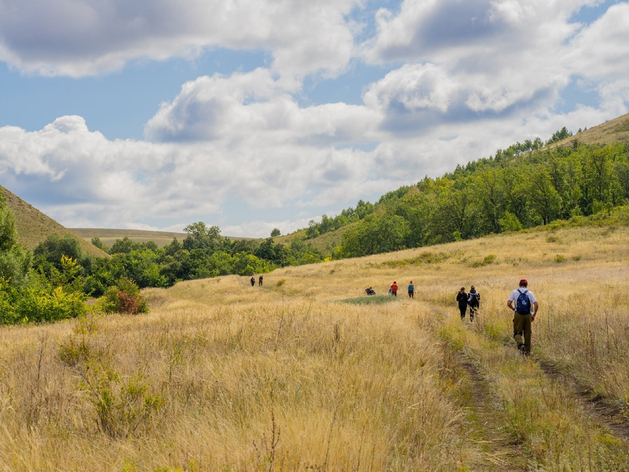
473 300
253 281
461 298
370 291
524 306
260 280
393 289
411 289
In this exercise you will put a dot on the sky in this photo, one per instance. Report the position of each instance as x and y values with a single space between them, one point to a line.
259 114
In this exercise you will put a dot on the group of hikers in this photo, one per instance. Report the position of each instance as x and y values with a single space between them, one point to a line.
393 289
253 280
521 302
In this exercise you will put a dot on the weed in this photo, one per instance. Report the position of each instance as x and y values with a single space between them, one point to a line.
371 300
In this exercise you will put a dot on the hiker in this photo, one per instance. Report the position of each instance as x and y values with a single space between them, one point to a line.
253 281
411 290
524 306
370 291
461 298
260 280
473 300
393 289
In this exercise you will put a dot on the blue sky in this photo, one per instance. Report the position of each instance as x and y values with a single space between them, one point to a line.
252 115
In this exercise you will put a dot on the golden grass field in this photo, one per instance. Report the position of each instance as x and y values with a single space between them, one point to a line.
303 375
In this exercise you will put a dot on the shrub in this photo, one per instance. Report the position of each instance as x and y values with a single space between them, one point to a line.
124 297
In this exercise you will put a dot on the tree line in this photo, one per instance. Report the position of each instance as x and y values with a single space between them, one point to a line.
54 281
520 187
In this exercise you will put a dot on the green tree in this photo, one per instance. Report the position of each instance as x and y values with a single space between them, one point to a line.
276 232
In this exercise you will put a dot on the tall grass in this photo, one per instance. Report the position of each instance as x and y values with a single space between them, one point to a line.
225 376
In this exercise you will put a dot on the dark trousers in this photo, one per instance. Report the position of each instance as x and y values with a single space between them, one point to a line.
522 330
463 309
473 311
410 293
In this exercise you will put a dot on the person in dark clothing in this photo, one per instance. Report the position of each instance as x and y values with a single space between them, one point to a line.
473 300
260 280
253 281
461 299
370 291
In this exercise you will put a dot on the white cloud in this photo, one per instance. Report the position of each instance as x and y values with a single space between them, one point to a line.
255 108
80 37
601 50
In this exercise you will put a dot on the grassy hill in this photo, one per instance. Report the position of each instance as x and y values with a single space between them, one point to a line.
611 132
110 236
304 373
33 226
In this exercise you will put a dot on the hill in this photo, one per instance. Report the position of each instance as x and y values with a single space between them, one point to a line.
33 226
305 373
110 236
611 132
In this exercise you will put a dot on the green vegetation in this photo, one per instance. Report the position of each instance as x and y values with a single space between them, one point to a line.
518 188
372 300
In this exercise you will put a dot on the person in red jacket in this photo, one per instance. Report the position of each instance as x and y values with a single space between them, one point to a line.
393 289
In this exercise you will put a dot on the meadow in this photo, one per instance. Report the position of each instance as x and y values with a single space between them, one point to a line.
302 374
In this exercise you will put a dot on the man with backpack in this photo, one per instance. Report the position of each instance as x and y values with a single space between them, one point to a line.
473 300
411 289
524 306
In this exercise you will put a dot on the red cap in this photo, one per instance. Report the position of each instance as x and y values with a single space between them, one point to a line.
524 282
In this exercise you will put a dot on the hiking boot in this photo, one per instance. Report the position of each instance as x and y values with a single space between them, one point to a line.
521 348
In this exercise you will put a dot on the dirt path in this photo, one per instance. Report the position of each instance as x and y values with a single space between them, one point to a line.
500 454
600 409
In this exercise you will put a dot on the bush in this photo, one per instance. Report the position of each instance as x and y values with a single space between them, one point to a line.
124 297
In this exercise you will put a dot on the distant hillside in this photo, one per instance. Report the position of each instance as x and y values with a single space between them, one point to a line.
109 236
611 132
33 226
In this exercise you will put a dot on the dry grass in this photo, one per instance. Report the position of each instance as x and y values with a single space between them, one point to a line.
33 227
225 376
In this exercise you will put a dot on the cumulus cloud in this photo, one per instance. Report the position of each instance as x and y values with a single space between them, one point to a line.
256 108
80 37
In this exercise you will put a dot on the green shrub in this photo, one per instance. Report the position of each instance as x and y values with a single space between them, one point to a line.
124 297
371 300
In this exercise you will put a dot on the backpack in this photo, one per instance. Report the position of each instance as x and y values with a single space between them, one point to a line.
523 304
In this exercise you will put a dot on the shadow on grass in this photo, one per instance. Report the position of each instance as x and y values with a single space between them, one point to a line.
372 300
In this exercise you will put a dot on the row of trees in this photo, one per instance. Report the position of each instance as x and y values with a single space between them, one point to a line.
508 192
53 282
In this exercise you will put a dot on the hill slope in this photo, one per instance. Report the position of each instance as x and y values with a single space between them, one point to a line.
305 373
110 236
33 226
611 132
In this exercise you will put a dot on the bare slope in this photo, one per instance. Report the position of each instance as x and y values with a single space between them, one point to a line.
110 236
33 226
611 132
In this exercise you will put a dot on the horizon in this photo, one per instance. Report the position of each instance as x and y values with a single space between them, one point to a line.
152 117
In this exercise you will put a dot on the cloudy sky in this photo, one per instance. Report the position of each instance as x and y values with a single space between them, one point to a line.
255 114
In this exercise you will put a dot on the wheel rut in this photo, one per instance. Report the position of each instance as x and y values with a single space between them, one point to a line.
500 454
599 408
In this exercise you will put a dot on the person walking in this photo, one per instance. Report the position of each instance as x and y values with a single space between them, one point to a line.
461 298
411 290
473 300
525 307
260 280
253 281
393 288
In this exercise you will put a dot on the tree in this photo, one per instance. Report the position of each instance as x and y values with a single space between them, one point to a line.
276 232
202 237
